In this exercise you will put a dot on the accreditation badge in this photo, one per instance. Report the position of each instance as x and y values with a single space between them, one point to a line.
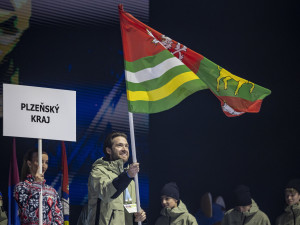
131 208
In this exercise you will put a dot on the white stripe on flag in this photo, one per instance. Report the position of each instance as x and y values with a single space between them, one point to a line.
153 72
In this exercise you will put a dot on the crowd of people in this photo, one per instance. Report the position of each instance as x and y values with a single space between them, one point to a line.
112 201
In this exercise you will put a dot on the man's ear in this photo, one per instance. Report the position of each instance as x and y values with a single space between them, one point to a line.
108 150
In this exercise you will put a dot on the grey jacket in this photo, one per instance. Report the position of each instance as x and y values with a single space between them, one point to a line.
291 216
253 217
100 185
176 216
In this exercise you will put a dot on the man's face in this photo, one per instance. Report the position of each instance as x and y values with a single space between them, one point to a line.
243 208
119 149
292 198
168 202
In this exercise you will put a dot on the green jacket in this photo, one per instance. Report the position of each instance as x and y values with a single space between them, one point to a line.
112 211
252 217
291 216
176 216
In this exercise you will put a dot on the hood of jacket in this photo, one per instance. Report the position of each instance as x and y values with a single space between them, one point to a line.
254 209
116 166
175 212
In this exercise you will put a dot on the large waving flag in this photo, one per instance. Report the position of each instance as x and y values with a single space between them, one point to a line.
65 185
13 218
161 72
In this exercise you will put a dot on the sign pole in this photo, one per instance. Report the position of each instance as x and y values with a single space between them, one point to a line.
40 171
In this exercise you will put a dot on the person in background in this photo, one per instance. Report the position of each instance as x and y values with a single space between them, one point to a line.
111 189
27 192
291 213
246 211
3 216
210 213
174 210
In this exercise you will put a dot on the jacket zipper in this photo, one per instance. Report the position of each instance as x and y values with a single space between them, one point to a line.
169 220
111 216
244 220
293 215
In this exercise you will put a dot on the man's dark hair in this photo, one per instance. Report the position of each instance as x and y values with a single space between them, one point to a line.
109 138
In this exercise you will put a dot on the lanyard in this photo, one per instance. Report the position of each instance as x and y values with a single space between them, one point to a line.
128 198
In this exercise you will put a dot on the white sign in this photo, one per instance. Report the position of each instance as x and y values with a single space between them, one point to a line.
35 112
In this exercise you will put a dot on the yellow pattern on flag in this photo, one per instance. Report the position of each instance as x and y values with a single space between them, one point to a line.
163 91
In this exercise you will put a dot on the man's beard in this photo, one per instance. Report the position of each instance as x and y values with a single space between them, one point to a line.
115 156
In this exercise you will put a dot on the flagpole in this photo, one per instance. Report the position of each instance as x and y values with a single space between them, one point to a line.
40 171
134 160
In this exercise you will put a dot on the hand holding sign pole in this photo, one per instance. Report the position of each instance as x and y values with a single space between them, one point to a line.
41 113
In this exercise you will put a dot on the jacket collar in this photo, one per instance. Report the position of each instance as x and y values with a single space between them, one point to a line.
31 179
254 209
116 166
175 212
291 208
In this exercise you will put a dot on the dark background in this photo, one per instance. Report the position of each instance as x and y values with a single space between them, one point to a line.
194 143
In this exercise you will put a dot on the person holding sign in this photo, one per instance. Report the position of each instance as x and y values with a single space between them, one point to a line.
174 210
111 189
27 193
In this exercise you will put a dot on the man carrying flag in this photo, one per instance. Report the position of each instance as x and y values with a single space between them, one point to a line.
111 189
161 72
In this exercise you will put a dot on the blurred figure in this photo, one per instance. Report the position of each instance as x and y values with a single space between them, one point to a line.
220 201
14 20
291 213
174 210
3 216
27 192
210 213
246 211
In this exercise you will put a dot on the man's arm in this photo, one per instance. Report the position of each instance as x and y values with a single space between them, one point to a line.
121 183
100 184
124 179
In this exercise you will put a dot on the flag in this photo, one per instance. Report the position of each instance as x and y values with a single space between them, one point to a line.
13 179
65 185
161 72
